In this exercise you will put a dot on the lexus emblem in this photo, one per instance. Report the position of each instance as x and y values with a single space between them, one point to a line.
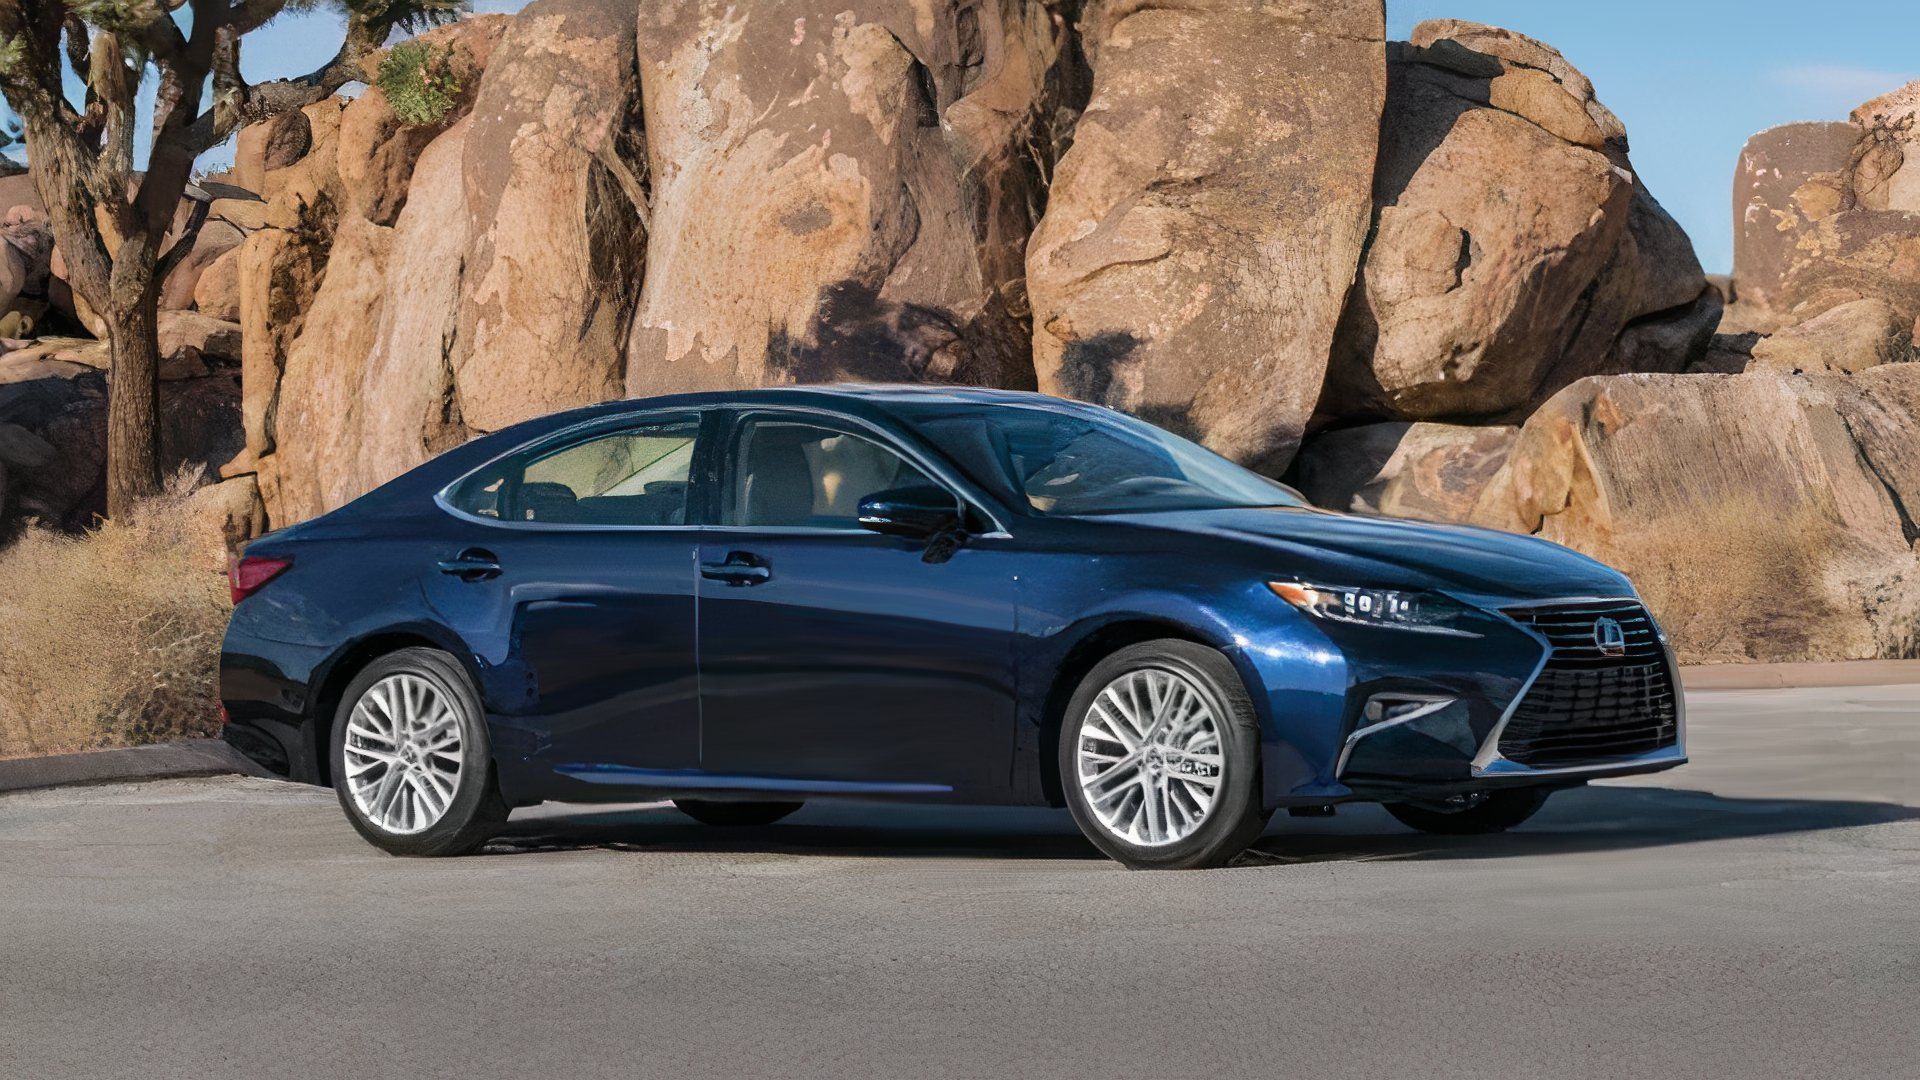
1609 637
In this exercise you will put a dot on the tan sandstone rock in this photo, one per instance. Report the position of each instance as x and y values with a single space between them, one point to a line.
1435 472
312 468
1886 172
190 340
216 292
405 409
214 240
230 511
377 150
1787 177
279 272
1829 214
1514 249
1764 516
554 213
840 190
1852 337
1202 232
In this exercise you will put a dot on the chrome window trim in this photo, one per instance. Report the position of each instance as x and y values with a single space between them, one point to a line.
1490 762
613 423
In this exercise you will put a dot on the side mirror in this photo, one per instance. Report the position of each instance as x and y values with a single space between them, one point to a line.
915 512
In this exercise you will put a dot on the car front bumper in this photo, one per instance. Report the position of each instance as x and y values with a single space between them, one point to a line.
1442 708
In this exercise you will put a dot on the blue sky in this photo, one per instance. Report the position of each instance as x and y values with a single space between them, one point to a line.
1692 79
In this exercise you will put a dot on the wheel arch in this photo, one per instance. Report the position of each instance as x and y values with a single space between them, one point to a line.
332 679
1091 645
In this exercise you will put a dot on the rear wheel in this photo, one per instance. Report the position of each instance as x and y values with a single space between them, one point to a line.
1474 815
708 812
1160 758
412 761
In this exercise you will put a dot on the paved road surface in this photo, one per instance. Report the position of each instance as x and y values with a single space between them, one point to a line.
1756 914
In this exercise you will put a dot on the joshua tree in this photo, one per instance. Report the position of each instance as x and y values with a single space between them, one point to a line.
111 224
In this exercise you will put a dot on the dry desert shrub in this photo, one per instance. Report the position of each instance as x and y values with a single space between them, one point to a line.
1732 582
112 637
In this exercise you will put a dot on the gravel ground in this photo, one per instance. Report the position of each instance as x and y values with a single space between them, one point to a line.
1755 914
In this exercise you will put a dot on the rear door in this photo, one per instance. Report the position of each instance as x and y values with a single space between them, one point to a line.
836 656
570 566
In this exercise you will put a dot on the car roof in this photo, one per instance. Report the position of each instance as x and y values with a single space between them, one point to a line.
904 400
875 393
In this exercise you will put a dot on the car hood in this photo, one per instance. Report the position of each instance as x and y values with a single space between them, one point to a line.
1327 548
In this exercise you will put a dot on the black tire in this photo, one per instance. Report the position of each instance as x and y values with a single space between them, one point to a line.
1497 811
1236 818
476 811
735 814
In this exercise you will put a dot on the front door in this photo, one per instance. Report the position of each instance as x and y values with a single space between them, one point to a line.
570 569
834 657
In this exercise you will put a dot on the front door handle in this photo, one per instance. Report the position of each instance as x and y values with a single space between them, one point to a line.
472 564
741 568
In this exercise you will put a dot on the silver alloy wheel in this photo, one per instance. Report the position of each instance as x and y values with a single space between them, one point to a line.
1150 759
403 753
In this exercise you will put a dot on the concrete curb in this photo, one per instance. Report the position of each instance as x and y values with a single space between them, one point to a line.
1782 676
161 761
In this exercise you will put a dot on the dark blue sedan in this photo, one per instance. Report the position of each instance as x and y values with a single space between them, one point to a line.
742 601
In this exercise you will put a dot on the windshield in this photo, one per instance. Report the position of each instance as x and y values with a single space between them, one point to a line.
1074 464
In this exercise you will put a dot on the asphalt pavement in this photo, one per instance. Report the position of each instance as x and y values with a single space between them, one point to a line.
1755 914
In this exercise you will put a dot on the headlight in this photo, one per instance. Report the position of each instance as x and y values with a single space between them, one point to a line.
1423 612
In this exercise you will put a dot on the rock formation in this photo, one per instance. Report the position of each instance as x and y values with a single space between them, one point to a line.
841 191
1202 232
1514 249
552 190
1417 278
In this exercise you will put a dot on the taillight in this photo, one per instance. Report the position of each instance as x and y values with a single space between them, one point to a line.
247 574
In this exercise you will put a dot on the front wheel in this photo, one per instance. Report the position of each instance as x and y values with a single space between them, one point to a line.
412 761
1495 811
1160 758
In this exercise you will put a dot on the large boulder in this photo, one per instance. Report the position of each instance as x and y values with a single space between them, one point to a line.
840 190
279 272
554 213
1852 337
216 292
1514 249
1435 472
1203 229
53 435
377 149
1764 516
1829 214
406 408
215 239
191 343
313 465
1886 172
1787 177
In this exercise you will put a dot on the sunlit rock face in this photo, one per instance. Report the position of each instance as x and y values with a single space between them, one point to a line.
841 191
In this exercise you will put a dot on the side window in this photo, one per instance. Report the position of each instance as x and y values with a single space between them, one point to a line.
787 473
632 476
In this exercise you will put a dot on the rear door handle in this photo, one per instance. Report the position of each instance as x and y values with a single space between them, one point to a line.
741 568
472 564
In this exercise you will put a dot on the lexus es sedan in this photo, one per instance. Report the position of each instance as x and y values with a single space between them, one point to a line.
743 601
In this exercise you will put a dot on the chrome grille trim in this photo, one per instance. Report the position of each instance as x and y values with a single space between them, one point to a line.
1629 704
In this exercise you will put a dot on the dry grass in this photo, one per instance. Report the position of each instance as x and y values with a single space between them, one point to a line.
1738 581
112 638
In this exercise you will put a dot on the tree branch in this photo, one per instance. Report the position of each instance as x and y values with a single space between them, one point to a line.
252 104
62 160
